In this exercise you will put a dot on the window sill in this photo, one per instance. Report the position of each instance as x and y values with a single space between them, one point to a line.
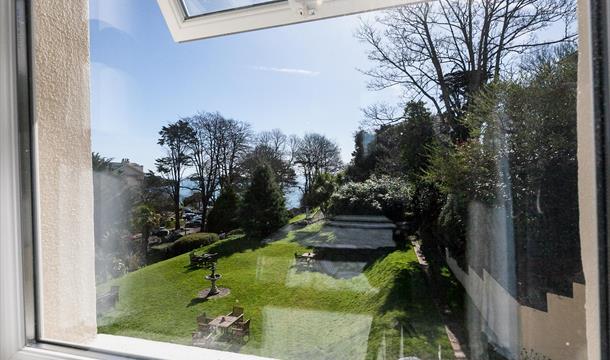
139 348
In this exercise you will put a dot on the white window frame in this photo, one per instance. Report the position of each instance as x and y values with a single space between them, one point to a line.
185 28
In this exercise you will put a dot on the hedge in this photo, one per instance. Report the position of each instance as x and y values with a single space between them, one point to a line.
183 245
376 196
192 241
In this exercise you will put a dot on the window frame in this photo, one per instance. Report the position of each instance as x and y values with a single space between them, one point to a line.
18 281
255 17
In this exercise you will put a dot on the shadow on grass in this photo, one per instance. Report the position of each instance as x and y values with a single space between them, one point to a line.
190 268
196 301
420 301
410 308
227 247
238 244
408 292
342 263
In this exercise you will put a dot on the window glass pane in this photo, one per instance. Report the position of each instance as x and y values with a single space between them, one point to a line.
203 7
379 186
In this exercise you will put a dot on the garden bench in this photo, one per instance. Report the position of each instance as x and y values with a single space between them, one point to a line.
204 260
237 311
241 330
304 259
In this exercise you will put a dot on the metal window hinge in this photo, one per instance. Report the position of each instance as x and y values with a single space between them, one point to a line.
306 8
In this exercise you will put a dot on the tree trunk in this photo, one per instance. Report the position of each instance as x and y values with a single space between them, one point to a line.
144 245
204 215
177 215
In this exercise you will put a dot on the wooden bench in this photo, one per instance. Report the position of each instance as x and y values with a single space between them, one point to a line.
240 330
204 260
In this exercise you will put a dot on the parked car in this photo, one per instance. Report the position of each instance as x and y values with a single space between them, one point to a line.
193 223
161 232
174 235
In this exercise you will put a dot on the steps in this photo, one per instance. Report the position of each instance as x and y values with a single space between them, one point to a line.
361 222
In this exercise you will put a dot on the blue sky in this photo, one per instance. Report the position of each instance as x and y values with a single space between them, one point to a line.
300 78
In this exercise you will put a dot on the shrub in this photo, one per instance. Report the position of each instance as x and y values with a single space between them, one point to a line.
191 242
236 232
264 209
323 187
159 253
376 196
224 216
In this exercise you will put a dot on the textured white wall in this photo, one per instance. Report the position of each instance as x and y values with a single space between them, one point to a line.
62 127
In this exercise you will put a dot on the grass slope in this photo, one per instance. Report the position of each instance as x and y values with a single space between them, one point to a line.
295 314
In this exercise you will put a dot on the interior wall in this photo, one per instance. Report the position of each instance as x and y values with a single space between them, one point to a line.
65 190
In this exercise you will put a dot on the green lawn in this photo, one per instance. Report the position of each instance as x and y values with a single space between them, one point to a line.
295 314
297 218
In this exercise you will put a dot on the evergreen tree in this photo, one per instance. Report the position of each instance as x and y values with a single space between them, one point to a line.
363 160
224 216
263 210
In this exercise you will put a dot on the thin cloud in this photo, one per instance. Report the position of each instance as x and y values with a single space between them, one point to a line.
302 72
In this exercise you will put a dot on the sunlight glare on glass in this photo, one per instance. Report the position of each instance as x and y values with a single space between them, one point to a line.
204 7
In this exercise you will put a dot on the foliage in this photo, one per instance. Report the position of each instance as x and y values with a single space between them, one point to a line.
156 193
324 186
215 149
113 252
400 149
363 160
263 210
174 138
447 66
376 196
521 157
100 163
112 203
224 216
276 159
236 232
144 219
191 242
193 201
468 169
316 154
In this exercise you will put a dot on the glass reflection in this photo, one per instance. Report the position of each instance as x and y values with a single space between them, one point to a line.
203 7
447 227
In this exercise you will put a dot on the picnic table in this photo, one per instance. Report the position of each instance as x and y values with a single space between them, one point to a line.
225 321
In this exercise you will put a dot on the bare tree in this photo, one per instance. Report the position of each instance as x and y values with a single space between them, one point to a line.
206 153
280 165
275 140
317 154
234 143
175 139
275 149
446 51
